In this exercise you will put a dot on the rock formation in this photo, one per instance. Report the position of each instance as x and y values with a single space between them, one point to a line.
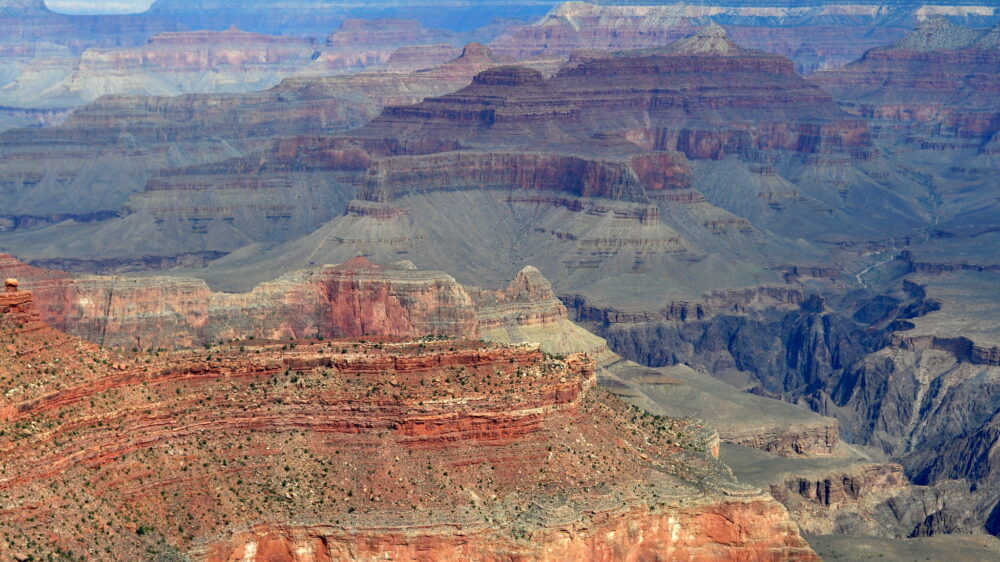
446 448
113 146
354 299
169 64
816 36
938 77
15 302
602 93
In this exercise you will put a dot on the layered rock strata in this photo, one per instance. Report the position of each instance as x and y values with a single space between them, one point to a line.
114 146
591 160
445 449
815 37
939 79
669 87
357 298
354 299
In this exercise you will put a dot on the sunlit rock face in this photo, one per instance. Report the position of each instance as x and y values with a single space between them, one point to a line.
314 451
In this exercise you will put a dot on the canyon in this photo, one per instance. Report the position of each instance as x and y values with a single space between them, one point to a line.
649 196
395 300
437 446
598 282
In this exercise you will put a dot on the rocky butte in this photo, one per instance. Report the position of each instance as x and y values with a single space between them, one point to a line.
356 298
437 449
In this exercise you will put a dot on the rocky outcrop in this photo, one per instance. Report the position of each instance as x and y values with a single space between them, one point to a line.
15 302
528 310
303 451
835 491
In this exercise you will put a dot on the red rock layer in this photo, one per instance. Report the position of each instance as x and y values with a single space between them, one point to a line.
354 299
432 449
728 532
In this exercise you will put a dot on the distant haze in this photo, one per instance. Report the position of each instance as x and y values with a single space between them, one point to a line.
98 6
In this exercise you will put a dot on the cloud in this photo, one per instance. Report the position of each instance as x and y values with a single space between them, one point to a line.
98 6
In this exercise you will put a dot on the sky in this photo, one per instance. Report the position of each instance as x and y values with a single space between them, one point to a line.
98 6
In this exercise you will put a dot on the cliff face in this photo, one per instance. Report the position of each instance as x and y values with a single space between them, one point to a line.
699 531
312 451
354 299
392 178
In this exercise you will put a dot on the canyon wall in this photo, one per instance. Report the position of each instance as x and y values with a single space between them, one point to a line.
310 451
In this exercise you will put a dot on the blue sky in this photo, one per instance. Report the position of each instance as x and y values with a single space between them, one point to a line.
98 6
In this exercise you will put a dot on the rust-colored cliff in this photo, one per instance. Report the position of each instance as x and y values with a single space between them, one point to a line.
429 449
